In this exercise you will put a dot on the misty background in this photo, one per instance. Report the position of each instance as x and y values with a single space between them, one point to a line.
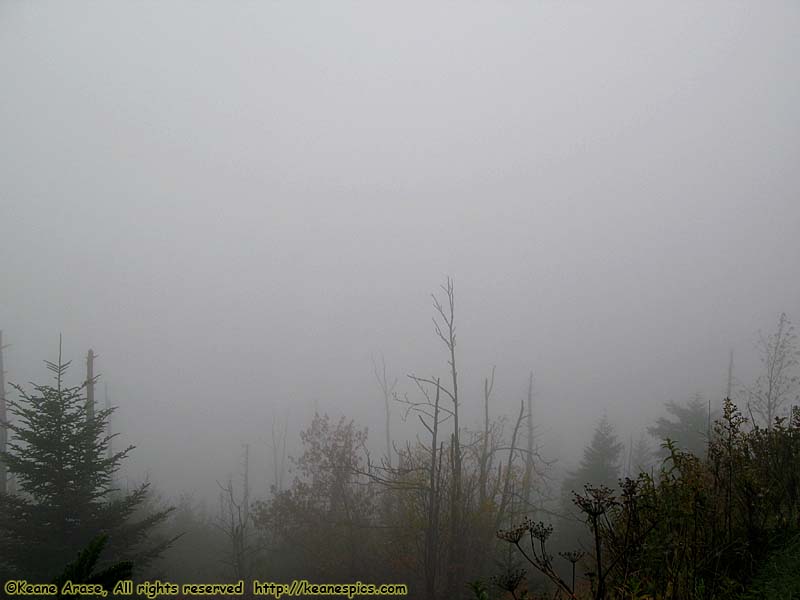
238 206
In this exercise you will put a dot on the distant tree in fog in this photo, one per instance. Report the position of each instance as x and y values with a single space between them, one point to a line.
195 557
641 458
778 384
322 525
688 427
600 464
387 390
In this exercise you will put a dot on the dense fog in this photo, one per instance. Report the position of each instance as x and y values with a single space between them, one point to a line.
241 207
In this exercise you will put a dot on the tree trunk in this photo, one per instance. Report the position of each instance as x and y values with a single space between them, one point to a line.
432 530
90 356
527 482
3 417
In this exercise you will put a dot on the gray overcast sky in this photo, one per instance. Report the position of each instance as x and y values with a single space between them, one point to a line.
237 204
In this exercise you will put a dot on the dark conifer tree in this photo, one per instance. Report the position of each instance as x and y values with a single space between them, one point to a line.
59 455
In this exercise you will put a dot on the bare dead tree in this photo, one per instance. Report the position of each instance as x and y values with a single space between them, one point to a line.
778 384
446 330
234 522
729 386
432 529
485 457
527 480
246 486
279 434
405 476
387 389
505 496
90 381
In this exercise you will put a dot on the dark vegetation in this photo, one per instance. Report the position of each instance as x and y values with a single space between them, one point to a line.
65 500
712 527
456 512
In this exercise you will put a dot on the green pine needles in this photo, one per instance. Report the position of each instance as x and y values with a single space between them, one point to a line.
58 452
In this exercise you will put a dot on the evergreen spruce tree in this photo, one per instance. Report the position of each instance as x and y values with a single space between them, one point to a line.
600 464
689 428
65 500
